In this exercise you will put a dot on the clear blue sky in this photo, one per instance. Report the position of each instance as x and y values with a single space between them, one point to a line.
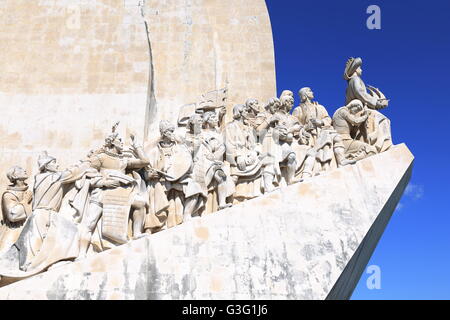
408 59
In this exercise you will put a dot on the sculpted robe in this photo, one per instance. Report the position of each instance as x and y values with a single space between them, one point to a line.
356 89
295 143
240 142
47 236
305 112
117 202
347 125
15 209
283 136
167 194
322 140
208 159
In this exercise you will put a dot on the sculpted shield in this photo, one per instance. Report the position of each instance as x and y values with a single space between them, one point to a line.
181 163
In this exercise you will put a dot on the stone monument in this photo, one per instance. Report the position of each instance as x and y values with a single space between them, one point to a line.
175 182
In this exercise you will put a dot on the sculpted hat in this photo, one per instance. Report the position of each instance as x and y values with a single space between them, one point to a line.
165 125
351 66
44 159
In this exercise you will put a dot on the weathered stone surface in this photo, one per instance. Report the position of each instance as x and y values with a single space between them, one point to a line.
72 68
310 240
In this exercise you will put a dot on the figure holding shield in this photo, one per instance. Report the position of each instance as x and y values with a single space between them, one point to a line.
173 198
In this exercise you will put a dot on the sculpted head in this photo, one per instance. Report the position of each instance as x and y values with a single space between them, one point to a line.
355 106
114 142
359 71
239 111
167 130
195 123
273 105
52 166
47 163
287 102
211 119
16 173
252 105
287 93
306 94
353 67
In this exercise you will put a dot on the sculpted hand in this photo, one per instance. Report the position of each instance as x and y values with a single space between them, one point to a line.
152 174
365 113
274 119
309 126
306 135
283 131
382 103
313 122
241 163
91 172
133 140
317 122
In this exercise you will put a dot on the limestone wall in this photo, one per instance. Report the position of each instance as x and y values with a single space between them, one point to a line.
203 45
71 68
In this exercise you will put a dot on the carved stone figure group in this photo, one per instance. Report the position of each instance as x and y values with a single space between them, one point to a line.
201 166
